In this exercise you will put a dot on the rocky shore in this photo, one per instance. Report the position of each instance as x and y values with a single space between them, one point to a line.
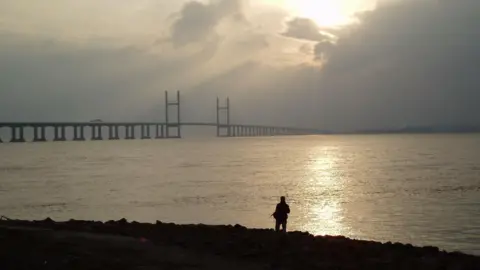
121 244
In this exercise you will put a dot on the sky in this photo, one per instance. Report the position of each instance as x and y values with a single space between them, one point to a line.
337 65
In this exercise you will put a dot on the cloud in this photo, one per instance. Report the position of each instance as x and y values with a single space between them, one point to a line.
306 29
197 21
408 62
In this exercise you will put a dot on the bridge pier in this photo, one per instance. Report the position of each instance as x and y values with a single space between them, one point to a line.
113 133
130 132
39 136
145 132
159 132
78 133
59 134
17 139
97 133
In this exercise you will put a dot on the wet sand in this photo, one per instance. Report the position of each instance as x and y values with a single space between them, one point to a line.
131 245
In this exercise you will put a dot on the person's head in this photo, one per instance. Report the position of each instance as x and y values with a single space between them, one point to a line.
282 199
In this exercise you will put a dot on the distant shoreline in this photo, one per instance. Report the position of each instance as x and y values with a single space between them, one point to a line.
133 245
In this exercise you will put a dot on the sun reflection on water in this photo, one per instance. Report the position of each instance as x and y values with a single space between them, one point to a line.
323 212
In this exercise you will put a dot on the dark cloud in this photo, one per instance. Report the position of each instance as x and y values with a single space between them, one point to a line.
306 29
323 48
411 62
197 22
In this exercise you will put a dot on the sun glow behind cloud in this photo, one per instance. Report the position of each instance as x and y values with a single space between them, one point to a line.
326 13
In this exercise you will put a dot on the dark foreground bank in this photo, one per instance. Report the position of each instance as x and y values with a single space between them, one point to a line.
123 245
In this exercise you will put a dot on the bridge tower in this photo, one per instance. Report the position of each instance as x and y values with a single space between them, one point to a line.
226 125
176 124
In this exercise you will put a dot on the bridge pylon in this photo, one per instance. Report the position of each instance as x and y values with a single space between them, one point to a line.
169 124
223 126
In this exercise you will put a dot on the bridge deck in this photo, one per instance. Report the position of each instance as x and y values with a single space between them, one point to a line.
53 124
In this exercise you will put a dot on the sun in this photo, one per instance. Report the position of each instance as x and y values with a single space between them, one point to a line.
326 13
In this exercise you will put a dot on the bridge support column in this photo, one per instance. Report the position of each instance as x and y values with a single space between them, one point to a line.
64 138
59 133
97 133
39 136
159 132
113 133
78 133
17 139
130 132
225 126
176 125
145 132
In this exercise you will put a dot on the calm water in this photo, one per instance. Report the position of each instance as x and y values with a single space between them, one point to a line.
421 189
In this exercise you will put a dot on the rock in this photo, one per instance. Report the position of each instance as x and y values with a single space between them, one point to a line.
295 250
430 249
122 221
48 220
238 226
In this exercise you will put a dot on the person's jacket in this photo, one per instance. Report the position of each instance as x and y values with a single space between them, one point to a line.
281 211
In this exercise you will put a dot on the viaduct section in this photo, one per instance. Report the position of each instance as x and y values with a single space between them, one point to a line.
170 128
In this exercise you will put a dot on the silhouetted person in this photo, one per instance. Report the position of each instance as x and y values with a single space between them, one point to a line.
281 215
